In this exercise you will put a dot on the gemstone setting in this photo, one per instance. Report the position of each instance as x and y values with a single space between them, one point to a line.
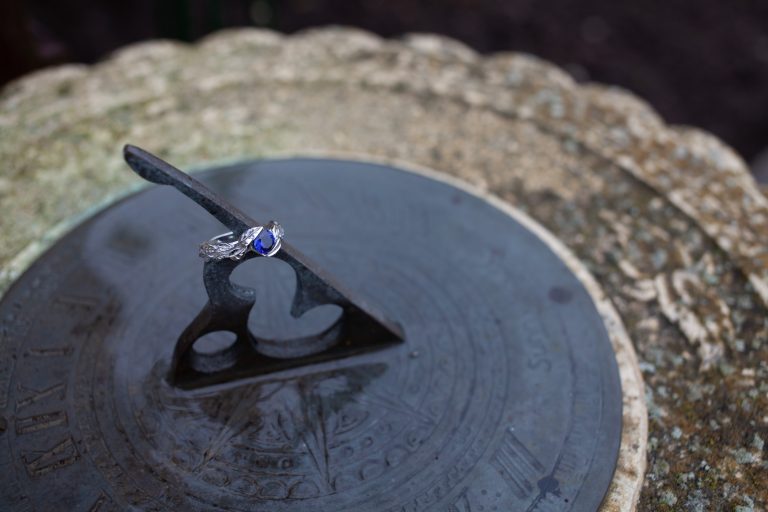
267 240
264 242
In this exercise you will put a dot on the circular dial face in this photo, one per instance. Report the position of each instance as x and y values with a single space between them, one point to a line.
504 395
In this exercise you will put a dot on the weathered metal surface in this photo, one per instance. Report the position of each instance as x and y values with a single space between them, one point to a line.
358 328
504 396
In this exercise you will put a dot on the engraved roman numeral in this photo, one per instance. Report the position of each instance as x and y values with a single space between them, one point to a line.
461 504
51 352
519 468
36 396
126 249
80 301
61 455
39 422
99 503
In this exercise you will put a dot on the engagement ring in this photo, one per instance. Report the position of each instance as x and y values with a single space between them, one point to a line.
263 240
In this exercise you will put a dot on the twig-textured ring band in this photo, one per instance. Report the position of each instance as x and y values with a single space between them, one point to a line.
263 240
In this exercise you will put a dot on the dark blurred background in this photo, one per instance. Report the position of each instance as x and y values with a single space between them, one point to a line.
702 62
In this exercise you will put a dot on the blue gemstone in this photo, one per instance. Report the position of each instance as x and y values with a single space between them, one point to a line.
264 242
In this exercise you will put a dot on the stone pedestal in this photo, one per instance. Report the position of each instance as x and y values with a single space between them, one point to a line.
667 220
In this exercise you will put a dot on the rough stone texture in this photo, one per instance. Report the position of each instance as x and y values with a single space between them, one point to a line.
667 220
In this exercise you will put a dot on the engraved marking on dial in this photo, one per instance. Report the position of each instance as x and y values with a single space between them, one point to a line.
539 344
80 301
126 246
50 351
60 455
40 422
517 465
539 360
101 500
461 504
36 395
6 371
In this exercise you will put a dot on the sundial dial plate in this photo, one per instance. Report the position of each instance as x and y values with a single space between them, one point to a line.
504 396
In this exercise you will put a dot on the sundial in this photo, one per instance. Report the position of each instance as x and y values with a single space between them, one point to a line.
411 346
